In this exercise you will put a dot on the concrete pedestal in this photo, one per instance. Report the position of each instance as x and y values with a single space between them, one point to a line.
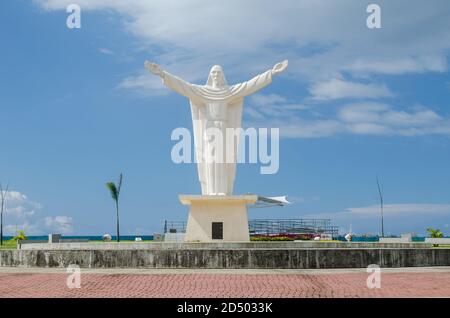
227 214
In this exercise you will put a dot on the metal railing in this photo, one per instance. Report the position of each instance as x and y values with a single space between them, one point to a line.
293 226
272 226
174 227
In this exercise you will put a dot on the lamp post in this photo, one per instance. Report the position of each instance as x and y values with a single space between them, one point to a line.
381 205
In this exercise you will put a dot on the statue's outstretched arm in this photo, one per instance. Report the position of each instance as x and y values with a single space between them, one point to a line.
154 68
258 82
280 67
173 82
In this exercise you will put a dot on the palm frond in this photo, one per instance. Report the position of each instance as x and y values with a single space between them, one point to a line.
113 190
119 184
435 233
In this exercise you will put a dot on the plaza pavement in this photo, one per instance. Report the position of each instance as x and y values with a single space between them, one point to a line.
186 283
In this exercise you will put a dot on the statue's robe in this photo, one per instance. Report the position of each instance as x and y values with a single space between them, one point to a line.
220 108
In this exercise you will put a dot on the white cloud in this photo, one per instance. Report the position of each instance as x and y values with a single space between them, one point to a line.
308 129
401 65
19 206
60 224
27 227
338 88
47 225
261 106
268 99
362 112
106 51
144 84
273 110
364 118
298 128
328 45
22 213
398 218
323 39
383 119
405 209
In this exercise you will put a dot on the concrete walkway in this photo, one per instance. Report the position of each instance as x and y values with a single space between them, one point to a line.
142 271
403 282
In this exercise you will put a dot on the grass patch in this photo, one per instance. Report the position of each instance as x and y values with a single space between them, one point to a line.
9 245
12 244
121 241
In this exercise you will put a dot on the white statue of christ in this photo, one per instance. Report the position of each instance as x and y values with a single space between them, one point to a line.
216 106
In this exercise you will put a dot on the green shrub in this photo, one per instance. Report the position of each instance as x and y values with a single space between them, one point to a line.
435 233
271 238
20 236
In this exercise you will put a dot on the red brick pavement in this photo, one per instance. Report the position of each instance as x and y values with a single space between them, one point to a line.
226 285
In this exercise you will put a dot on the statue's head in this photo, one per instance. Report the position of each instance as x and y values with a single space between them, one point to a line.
216 77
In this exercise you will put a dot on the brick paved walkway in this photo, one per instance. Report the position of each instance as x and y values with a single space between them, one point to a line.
406 284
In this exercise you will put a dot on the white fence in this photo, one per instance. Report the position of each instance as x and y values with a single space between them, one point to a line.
174 237
445 240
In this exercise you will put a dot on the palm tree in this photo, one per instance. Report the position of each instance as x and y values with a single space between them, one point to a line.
20 236
435 233
380 192
115 192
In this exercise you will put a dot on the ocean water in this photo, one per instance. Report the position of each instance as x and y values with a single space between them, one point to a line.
89 237
150 238
374 238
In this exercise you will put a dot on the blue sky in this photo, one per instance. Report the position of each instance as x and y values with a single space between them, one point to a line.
77 108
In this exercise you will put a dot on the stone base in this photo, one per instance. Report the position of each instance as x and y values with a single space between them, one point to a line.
230 210
225 258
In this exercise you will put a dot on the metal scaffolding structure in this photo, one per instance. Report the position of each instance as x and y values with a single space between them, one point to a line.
292 226
272 226
174 227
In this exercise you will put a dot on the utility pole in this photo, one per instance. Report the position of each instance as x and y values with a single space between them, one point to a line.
380 192
3 194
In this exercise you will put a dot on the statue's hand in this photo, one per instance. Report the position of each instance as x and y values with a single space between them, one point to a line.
154 68
279 67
